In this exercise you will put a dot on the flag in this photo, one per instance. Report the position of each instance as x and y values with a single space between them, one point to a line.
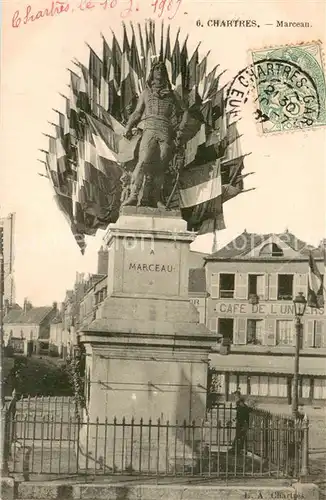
83 100
201 197
152 39
73 115
64 128
107 61
192 69
210 80
315 285
95 77
207 112
161 58
102 171
193 144
168 55
219 117
142 54
114 79
230 146
201 74
135 65
150 54
127 91
64 196
176 62
61 154
116 61
181 80
232 170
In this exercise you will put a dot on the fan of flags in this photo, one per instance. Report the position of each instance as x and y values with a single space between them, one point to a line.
87 155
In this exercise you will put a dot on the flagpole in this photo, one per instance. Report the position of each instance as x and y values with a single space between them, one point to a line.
2 275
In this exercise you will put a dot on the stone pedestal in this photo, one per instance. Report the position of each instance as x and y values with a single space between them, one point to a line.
147 353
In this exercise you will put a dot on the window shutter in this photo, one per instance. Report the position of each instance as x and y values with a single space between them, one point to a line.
215 285
309 330
241 286
262 290
319 327
300 284
270 331
323 332
272 288
239 335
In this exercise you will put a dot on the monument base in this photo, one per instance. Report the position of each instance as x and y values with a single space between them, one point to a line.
146 352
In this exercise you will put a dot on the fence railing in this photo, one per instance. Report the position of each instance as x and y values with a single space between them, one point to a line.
46 436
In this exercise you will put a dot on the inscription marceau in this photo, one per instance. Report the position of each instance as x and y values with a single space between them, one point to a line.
156 268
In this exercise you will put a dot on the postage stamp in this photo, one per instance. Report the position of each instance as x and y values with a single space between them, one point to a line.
290 87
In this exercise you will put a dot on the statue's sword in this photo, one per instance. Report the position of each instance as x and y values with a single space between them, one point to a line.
177 157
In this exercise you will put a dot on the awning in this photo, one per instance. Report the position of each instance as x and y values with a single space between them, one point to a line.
267 364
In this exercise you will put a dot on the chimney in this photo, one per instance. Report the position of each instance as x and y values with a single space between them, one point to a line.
25 307
103 261
55 306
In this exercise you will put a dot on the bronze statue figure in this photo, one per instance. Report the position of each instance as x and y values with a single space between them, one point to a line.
161 112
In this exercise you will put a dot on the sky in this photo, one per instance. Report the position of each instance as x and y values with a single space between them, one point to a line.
289 167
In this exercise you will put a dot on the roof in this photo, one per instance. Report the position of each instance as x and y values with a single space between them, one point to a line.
254 363
196 259
33 316
197 280
246 242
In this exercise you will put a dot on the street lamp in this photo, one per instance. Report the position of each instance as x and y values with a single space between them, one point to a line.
299 310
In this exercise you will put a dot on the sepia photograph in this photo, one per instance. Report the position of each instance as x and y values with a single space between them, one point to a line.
163 250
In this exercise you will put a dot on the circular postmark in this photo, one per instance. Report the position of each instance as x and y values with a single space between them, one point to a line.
286 95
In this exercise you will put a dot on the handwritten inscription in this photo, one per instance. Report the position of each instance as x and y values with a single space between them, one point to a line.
127 8
30 15
157 268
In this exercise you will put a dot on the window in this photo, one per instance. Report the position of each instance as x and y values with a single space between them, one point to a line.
226 286
284 332
271 250
256 285
285 287
319 388
255 331
225 328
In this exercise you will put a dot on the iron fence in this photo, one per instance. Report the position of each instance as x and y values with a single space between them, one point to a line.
46 436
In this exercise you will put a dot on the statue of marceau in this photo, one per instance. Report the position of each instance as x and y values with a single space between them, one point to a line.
160 111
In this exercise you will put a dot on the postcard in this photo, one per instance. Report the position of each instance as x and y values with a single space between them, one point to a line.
147 127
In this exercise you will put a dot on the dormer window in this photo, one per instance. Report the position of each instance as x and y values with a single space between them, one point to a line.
271 250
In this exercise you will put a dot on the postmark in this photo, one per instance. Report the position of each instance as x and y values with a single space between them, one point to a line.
290 87
286 85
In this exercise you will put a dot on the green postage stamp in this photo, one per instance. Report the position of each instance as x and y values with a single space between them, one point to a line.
290 87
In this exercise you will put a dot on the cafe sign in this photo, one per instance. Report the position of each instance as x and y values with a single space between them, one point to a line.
261 309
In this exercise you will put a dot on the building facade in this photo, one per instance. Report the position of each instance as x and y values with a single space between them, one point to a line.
27 330
65 325
251 284
8 226
198 291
